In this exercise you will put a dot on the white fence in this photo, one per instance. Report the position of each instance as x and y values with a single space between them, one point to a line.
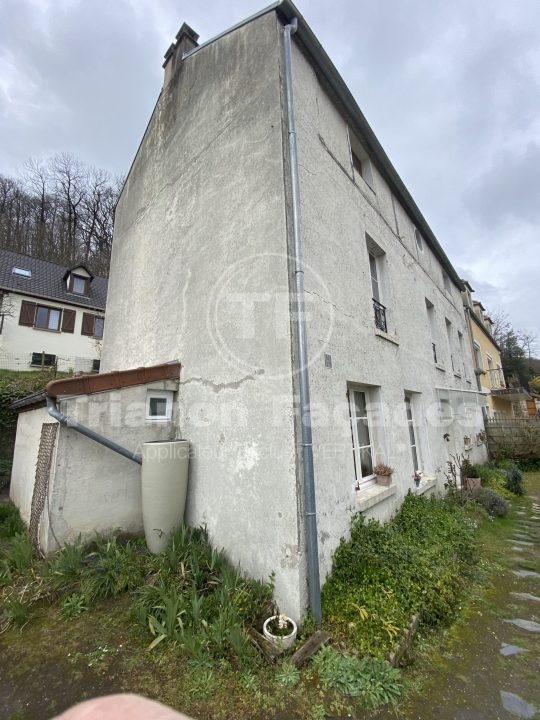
39 361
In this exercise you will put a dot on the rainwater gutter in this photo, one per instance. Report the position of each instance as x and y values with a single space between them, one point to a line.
314 585
54 412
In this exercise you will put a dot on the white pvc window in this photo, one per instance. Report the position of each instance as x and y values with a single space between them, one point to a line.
159 405
361 434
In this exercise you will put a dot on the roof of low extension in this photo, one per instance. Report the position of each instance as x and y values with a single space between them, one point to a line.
103 382
46 281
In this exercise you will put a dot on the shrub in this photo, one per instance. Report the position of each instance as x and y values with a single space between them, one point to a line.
375 682
514 480
384 574
10 521
493 503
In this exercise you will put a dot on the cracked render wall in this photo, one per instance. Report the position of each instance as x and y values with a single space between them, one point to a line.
199 273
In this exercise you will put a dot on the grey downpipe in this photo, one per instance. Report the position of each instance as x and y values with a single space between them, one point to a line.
314 585
54 412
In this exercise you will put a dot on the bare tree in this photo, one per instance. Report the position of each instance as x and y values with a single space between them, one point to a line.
60 210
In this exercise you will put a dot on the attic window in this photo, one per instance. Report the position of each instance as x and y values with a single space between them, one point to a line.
78 284
419 239
22 272
361 162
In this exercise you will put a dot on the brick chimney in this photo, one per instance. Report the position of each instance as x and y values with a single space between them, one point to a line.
186 40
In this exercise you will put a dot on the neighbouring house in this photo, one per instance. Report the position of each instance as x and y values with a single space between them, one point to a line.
502 398
50 315
264 240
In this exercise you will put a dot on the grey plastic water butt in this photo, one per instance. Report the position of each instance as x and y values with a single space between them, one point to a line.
164 478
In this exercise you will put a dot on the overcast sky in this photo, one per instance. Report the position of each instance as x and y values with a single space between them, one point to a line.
451 89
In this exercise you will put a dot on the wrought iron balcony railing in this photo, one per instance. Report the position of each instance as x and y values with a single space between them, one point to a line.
380 316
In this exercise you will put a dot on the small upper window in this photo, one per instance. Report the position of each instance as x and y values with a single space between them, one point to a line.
78 285
446 282
159 404
419 239
361 162
22 272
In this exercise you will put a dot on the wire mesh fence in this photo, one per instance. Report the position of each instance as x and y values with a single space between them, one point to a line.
27 361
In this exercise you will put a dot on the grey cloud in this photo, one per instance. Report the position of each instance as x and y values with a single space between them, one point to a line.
509 190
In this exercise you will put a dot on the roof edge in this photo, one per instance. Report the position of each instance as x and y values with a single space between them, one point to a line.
90 384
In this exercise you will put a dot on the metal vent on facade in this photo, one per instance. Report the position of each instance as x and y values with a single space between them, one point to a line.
327 361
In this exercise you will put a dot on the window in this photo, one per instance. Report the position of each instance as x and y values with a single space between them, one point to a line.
412 436
159 405
43 317
446 282
92 325
43 359
376 267
360 162
22 272
461 348
433 329
419 239
47 318
450 336
362 434
78 285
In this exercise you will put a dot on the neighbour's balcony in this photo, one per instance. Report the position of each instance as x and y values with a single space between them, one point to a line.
380 316
496 379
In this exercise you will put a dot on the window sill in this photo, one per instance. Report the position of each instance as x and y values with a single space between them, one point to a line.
386 336
427 483
373 495
440 367
46 329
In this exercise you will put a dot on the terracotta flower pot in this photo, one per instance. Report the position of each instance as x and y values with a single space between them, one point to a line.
385 480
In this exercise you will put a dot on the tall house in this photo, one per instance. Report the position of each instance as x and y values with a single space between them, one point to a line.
219 223
490 379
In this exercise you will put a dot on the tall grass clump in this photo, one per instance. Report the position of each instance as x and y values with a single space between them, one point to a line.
418 562
196 599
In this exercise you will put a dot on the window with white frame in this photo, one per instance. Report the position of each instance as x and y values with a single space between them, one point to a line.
415 451
361 400
159 405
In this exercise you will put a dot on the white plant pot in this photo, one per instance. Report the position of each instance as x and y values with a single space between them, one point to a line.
164 477
281 642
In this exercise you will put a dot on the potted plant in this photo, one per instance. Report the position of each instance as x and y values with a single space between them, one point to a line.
384 474
473 479
281 631
417 477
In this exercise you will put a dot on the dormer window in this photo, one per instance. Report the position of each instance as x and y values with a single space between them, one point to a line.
78 280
